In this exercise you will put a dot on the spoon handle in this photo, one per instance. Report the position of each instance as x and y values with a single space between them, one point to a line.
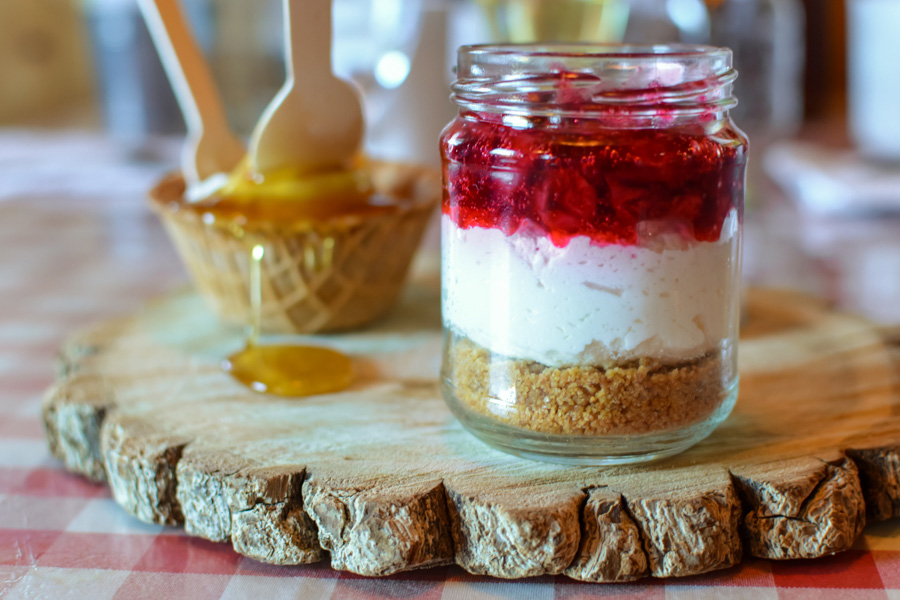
195 89
307 34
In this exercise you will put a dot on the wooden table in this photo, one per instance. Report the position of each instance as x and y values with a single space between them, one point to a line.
77 245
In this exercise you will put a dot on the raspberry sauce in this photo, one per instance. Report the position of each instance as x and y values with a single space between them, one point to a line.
578 179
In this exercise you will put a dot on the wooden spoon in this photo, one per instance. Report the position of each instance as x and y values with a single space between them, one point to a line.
315 122
210 148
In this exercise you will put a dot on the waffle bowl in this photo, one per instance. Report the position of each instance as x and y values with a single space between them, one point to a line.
319 276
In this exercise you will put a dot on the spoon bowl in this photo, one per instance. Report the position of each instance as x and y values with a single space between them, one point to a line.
315 122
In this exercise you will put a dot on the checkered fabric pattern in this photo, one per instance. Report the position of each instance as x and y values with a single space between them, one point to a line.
77 245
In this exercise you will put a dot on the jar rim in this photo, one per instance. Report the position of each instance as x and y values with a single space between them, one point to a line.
598 50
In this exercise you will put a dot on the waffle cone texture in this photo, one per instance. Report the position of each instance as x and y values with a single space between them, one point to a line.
330 275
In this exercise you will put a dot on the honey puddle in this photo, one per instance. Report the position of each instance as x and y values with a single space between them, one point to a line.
284 370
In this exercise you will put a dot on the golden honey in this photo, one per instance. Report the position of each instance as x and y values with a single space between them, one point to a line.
284 200
287 199
291 370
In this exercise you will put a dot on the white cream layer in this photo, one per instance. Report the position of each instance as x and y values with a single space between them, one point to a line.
522 297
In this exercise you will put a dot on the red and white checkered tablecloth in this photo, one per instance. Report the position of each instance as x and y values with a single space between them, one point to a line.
77 245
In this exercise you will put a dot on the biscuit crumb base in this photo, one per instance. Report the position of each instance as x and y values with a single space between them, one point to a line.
642 396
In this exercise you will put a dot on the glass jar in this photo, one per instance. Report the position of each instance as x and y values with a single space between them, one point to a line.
591 249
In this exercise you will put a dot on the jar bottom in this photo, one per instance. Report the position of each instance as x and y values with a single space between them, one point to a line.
597 450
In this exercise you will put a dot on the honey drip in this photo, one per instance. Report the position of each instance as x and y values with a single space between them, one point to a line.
284 370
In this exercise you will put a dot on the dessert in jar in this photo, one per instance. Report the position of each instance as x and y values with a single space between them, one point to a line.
591 249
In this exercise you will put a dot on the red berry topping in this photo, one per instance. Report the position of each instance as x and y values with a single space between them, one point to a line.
579 179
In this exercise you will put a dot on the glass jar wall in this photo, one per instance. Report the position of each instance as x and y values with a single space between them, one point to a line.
591 249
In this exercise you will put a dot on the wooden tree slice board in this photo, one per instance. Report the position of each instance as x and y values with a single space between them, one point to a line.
381 478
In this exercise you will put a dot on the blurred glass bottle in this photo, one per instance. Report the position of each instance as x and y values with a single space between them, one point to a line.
524 21
661 21
598 21
134 92
767 39
235 35
874 79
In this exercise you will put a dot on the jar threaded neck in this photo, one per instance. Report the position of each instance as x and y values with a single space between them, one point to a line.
596 81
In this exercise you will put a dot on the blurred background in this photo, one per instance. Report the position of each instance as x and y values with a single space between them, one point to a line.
818 90
90 63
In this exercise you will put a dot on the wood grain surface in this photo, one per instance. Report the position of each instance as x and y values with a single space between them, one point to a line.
381 478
